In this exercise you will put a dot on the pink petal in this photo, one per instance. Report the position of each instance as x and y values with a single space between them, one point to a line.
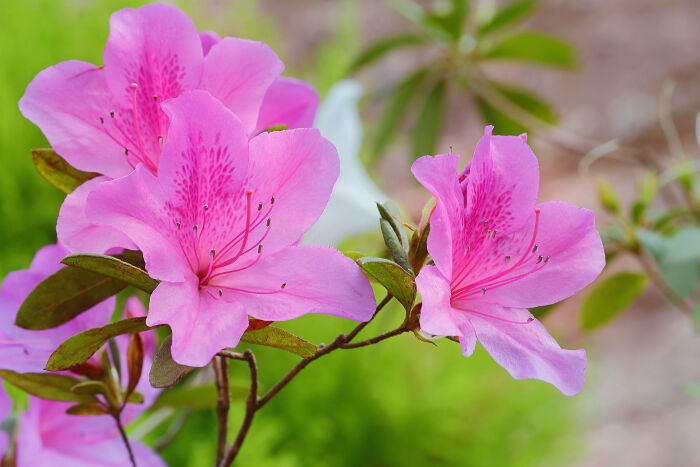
439 176
209 39
290 102
568 237
49 436
28 351
316 280
202 323
204 163
157 47
135 206
298 168
502 185
437 316
67 101
77 233
527 350
238 72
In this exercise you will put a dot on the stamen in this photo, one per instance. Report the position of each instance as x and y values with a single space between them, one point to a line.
134 112
546 260
212 254
260 248
195 228
178 225
507 259
534 249
483 291
259 206
160 139
221 292
272 200
284 284
486 223
539 259
126 151
268 222
155 97
102 121
485 315
111 113
494 234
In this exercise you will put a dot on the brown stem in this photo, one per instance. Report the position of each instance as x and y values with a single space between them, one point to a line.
255 403
251 408
220 365
125 439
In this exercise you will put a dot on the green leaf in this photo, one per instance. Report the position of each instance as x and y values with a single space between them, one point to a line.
383 46
272 336
395 109
199 397
86 409
47 386
450 21
608 196
524 99
135 398
89 388
610 297
683 246
115 267
79 348
393 244
59 173
510 14
165 371
390 213
429 123
535 47
395 279
63 296
680 273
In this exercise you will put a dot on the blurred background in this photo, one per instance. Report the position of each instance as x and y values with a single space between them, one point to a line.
613 96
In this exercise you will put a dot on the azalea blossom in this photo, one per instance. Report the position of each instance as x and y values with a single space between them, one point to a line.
497 252
352 209
47 436
108 119
219 224
26 351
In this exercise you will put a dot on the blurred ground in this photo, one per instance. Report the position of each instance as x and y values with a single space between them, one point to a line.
635 409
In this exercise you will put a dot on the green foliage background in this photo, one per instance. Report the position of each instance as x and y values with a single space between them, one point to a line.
400 403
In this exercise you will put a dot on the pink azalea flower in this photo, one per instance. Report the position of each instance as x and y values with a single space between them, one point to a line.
5 408
47 436
219 226
109 119
497 252
27 351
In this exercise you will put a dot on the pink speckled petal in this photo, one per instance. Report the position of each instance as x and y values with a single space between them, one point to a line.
317 280
202 323
77 233
298 168
238 72
209 39
502 186
438 175
436 312
290 102
158 48
568 238
66 101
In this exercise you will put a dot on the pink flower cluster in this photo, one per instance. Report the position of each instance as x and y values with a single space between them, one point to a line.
175 124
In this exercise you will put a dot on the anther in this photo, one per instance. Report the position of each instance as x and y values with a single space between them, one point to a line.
155 97
468 248
126 151
486 223
546 260
530 319
195 227
206 207
259 206
102 121
539 259
260 248
160 139
212 252
134 86
221 292
534 248
178 225
111 113
488 233
494 234
507 258
268 222
272 200
483 290
284 284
